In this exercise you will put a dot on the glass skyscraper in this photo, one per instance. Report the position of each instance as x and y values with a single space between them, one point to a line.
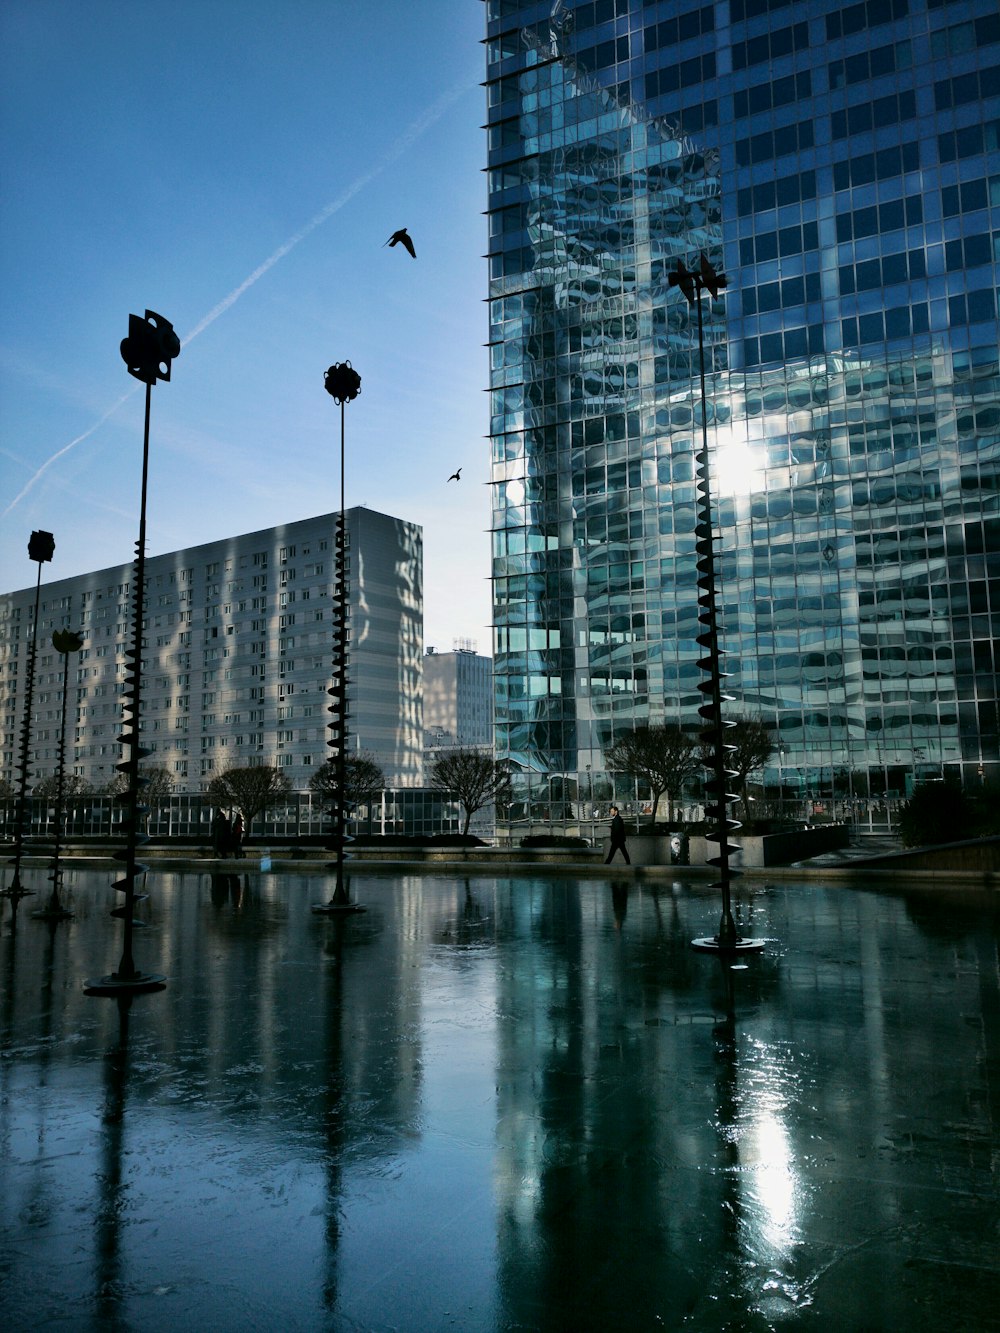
840 163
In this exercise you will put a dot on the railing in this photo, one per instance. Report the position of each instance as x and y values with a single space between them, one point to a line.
189 817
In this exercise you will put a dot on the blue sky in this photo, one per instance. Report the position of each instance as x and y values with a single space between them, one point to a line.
177 156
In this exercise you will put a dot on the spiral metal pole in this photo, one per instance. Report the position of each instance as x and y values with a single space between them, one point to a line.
147 352
65 642
343 383
41 547
728 938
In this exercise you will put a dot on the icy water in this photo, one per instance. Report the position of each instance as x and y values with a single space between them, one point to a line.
501 1104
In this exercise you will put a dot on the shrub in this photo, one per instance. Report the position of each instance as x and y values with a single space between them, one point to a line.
936 812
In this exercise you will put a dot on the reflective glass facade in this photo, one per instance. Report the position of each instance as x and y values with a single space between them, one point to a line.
841 164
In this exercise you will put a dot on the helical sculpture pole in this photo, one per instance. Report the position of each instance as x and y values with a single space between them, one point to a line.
41 548
343 383
65 641
727 940
147 352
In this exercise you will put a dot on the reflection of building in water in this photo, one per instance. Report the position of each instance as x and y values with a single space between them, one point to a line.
853 382
238 654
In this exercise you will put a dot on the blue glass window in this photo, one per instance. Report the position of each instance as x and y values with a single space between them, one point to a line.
688 72
867 14
964 198
972 307
891 110
774 143
777 92
770 46
969 142
870 64
678 29
972 87
869 167
772 194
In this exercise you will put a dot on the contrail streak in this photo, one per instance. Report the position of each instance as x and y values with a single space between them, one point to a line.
65 450
409 136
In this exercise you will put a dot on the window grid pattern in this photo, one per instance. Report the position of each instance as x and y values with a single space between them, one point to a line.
855 397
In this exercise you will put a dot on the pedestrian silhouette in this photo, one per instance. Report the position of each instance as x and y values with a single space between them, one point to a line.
456 476
402 237
237 834
221 834
617 837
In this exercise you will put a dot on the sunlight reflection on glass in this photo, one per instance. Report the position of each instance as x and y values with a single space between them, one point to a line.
738 468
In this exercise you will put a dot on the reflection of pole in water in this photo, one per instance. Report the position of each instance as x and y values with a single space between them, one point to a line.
727 1114
335 1110
113 1194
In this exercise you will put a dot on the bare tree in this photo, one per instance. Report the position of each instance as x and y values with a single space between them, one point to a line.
663 757
252 790
363 778
474 778
159 785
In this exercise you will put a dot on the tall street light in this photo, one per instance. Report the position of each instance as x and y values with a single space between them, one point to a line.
41 548
728 940
343 383
148 350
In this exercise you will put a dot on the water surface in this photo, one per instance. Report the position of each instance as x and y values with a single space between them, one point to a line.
500 1104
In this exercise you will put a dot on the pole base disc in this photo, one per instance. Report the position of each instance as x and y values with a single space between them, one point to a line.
52 914
712 944
336 909
113 984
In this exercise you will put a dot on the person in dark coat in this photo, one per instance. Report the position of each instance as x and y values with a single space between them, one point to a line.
617 837
237 834
220 834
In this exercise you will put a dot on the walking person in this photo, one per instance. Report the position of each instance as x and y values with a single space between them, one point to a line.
238 834
617 837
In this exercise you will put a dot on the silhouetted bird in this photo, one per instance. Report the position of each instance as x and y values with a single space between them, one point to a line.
402 236
456 476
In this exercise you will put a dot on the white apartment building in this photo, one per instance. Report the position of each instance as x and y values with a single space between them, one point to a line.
238 654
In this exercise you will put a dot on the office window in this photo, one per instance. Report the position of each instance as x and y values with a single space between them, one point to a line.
776 194
682 75
777 92
969 142
891 110
670 31
870 64
868 14
774 143
975 86
769 46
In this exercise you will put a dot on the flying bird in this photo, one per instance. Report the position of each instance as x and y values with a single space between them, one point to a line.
456 476
402 236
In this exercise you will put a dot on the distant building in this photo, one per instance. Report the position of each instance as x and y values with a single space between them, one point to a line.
458 698
238 656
